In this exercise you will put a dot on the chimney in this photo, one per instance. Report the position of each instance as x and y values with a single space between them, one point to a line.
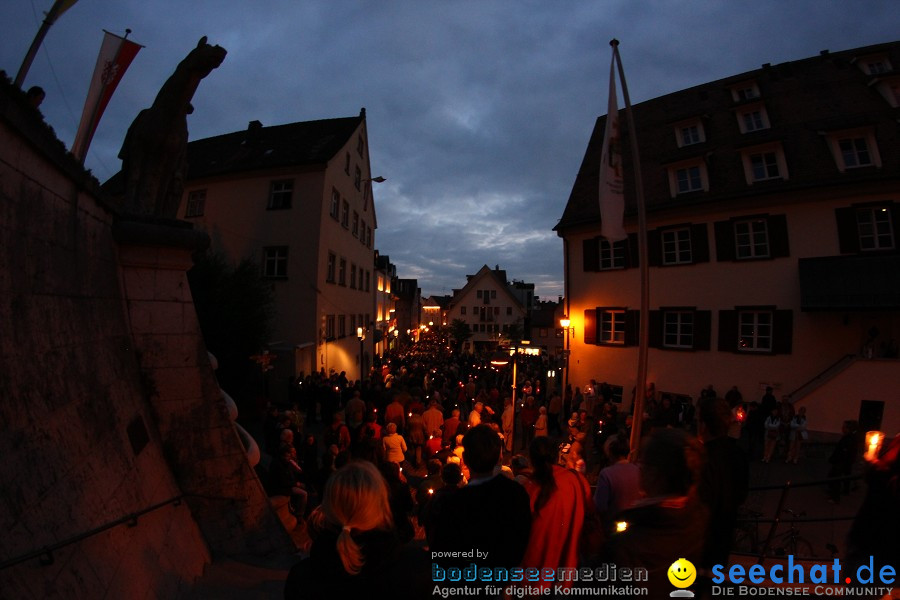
254 125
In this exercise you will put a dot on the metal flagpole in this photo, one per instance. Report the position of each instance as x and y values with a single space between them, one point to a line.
644 323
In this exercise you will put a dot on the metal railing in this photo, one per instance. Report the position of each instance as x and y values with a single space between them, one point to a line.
45 553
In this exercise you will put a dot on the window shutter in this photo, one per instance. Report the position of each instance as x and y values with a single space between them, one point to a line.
703 329
699 243
632 327
778 236
632 256
654 248
848 233
895 223
782 332
728 330
724 241
655 335
590 326
591 258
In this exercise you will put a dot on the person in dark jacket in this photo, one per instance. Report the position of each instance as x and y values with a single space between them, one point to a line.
355 551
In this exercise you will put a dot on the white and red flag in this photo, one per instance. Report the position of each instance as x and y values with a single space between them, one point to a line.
612 189
116 54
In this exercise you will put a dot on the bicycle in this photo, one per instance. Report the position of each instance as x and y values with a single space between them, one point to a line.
746 533
791 542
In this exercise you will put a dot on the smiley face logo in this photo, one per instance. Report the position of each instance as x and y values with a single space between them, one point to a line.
682 573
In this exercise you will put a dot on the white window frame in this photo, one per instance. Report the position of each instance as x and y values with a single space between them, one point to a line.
335 210
874 64
838 140
275 262
748 124
875 228
612 256
746 90
675 243
751 239
196 203
612 327
755 329
281 193
689 133
688 179
678 329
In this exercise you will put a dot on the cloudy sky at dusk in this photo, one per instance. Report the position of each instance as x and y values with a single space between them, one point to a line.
479 111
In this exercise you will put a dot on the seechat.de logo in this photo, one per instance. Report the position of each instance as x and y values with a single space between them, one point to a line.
682 574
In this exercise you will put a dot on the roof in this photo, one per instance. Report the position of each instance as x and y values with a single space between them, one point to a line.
258 147
804 99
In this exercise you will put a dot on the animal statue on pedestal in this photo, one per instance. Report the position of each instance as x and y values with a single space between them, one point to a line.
155 148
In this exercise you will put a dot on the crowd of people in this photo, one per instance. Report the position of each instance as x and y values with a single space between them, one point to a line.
432 452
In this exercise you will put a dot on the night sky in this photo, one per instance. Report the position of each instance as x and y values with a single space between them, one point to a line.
478 112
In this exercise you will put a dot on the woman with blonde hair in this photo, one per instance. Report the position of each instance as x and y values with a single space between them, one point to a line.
355 549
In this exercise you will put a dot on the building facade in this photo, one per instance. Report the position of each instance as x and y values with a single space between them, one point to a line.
773 206
296 199
489 306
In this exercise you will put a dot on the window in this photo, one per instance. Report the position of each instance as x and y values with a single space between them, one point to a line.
755 331
347 164
353 323
875 228
335 210
752 237
368 280
196 202
342 326
342 272
355 228
280 193
360 145
368 237
854 152
753 121
612 326
676 246
345 214
764 166
353 276
874 64
509 311
329 273
357 179
854 149
362 232
475 311
688 179
462 310
275 262
493 294
612 256
478 293
329 327
747 90
690 135
678 329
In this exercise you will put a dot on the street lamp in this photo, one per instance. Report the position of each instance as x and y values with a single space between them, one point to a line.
361 336
501 361
565 322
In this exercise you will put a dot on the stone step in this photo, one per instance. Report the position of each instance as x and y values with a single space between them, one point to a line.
244 578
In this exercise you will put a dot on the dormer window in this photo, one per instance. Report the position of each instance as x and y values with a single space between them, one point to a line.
854 149
753 118
764 163
689 133
686 177
746 90
874 64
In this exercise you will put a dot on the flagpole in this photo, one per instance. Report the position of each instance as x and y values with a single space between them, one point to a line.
644 323
59 7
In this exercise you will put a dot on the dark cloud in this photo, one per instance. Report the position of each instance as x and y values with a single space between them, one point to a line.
478 112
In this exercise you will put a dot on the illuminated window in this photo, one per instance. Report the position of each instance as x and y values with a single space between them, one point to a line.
612 326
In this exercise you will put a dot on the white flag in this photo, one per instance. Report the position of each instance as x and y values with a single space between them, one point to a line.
116 53
612 189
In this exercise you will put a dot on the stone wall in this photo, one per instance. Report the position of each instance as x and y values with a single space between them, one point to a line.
87 389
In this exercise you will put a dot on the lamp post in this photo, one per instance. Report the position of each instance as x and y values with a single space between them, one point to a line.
502 361
565 322
361 336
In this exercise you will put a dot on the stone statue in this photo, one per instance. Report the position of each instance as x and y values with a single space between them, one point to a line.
155 147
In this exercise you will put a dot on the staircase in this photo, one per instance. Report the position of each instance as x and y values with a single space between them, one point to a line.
823 377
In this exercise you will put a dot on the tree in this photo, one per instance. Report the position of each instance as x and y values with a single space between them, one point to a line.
459 332
514 333
235 307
